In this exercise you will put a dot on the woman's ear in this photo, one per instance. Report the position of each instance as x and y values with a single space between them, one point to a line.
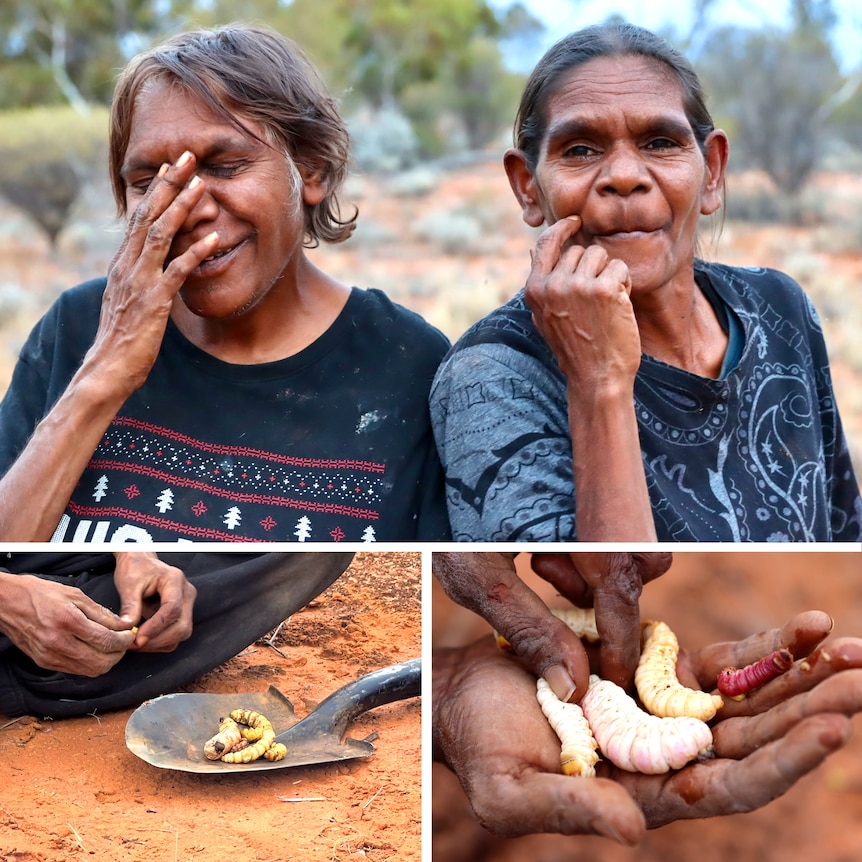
717 149
314 187
524 185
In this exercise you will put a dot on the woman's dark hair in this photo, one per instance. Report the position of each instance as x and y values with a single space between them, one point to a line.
612 40
248 74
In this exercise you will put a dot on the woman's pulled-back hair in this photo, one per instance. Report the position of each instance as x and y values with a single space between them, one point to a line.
248 74
611 40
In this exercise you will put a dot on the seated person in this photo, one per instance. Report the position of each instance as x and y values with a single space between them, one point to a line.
632 392
217 385
81 633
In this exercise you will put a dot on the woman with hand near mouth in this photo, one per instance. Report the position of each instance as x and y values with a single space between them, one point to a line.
632 392
217 385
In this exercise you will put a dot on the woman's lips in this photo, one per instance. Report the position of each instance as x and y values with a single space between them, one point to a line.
216 263
634 232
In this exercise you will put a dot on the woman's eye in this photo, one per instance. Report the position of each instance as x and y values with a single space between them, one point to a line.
141 186
661 144
579 151
223 170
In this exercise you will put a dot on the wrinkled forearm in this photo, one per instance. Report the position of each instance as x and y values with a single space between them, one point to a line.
36 489
612 502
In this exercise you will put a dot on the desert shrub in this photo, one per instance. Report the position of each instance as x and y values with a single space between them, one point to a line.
454 232
46 156
425 104
755 205
416 182
383 140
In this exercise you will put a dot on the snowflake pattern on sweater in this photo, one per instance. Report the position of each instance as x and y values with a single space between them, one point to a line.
333 444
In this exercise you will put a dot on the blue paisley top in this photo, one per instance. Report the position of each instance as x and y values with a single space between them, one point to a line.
756 456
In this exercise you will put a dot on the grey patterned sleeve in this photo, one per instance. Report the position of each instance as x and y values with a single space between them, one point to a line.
501 426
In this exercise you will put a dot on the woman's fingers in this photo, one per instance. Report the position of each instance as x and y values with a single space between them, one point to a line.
834 660
488 584
617 581
153 227
551 244
740 736
563 572
728 786
559 570
801 634
165 188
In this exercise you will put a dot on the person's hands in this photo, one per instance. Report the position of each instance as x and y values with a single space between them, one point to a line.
159 594
142 281
773 737
611 583
580 299
60 628
488 584
489 729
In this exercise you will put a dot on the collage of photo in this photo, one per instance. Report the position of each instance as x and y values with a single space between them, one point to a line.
430 432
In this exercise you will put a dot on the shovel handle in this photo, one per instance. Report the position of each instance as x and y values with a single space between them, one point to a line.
396 682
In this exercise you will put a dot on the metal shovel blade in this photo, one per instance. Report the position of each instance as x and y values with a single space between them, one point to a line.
170 731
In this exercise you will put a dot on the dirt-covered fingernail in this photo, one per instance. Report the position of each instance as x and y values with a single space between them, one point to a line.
562 685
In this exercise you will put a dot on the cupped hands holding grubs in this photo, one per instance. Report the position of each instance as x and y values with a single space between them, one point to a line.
490 730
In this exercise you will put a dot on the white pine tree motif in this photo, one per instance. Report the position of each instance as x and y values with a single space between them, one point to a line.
101 488
303 528
233 518
369 535
165 501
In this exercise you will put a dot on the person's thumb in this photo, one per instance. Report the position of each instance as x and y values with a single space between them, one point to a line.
130 610
548 647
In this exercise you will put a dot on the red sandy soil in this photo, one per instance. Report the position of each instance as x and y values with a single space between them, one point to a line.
72 790
705 597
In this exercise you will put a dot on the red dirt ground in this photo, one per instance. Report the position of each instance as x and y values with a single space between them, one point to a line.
705 597
72 790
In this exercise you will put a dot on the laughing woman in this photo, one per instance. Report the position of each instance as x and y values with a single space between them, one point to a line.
632 392
217 385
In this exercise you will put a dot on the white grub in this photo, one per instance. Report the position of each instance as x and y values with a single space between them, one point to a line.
636 741
578 755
